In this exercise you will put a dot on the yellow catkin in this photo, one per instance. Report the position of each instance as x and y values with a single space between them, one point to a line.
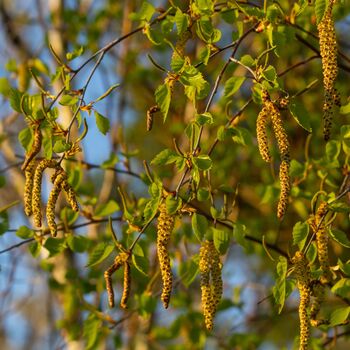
208 304
35 147
126 286
211 281
322 242
328 52
164 229
216 275
28 188
302 271
51 203
319 294
119 261
261 134
271 110
109 286
70 195
285 188
36 195
279 131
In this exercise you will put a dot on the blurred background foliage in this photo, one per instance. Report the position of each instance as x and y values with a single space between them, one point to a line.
52 289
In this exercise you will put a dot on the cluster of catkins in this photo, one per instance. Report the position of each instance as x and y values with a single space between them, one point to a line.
308 287
32 191
328 51
211 281
271 113
121 259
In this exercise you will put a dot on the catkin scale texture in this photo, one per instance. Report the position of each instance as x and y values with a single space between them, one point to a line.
36 195
164 229
126 286
51 203
302 271
261 134
28 188
322 242
328 52
285 188
210 281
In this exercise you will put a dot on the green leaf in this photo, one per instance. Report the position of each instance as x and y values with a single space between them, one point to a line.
67 100
24 232
75 53
345 268
110 162
241 136
91 329
167 156
296 169
340 237
199 226
25 137
339 316
61 146
173 204
151 209
55 245
181 20
279 289
204 118
163 97
202 194
332 150
232 85
221 240
102 123
15 100
145 12
34 249
239 231
342 288
5 87
300 233
301 115
203 162
320 9
100 253
188 271
47 145
345 109
139 260
77 243
270 74
107 209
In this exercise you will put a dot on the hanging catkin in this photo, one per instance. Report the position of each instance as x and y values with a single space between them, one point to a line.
271 111
126 285
261 133
211 281
208 305
322 242
28 188
51 203
36 196
302 271
328 52
119 261
164 229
